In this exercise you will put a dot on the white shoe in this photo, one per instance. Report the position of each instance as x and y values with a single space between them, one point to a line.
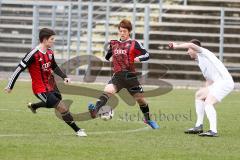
81 133
29 105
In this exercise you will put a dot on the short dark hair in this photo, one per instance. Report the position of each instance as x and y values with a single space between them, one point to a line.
125 24
196 41
45 33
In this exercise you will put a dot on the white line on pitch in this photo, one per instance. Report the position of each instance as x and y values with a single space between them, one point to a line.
66 134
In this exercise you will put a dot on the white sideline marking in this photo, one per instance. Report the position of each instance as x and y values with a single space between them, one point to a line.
66 134
24 110
50 113
15 110
124 131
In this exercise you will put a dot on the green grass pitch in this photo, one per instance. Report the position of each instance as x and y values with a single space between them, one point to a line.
42 136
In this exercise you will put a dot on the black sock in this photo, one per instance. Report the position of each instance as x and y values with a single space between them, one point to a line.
39 105
102 101
145 110
67 117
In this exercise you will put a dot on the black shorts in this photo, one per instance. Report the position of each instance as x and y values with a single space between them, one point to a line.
51 99
126 80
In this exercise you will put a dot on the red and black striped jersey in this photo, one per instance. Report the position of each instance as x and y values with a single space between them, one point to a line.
40 65
123 54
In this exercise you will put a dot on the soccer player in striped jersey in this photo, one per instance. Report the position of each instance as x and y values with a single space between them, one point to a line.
219 83
41 65
124 53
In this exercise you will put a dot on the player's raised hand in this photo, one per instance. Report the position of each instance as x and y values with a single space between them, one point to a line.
67 80
7 90
136 59
172 45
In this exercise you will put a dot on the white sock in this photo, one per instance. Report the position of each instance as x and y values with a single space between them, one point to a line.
199 104
212 117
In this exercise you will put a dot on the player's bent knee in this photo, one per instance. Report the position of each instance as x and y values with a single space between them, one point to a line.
141 102
140 99
211 100
61 107
110 89
201 94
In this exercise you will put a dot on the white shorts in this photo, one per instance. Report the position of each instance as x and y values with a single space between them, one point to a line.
221 89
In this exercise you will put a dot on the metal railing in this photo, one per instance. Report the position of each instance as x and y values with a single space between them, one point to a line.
79 18
221 36
221 22
67 12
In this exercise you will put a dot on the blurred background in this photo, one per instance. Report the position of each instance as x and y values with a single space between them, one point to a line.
84 28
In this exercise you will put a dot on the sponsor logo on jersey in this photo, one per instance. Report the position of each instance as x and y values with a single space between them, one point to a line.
46 66
120 51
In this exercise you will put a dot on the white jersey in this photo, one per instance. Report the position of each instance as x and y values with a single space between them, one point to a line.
212 68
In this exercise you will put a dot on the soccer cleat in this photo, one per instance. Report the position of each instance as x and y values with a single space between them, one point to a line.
208 134
92 110
29 105
195 130
152 124
81 133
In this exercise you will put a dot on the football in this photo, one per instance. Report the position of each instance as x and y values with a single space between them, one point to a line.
106 113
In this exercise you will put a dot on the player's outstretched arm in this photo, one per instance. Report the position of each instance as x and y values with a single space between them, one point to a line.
173 45
24 63
13 79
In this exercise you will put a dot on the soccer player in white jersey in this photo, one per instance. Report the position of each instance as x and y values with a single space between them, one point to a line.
219 83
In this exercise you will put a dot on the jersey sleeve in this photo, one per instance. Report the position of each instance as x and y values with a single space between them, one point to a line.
141 52
57 70
24 63
109 52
